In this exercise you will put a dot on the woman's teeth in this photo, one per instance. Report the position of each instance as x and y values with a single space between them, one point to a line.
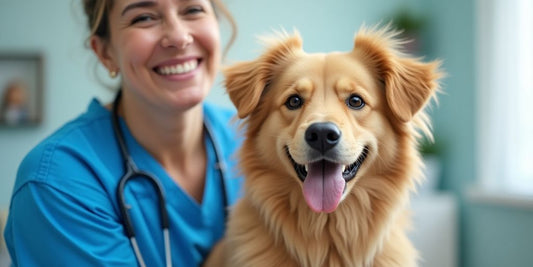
178 68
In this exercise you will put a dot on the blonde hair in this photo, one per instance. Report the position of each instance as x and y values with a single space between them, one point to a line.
97 12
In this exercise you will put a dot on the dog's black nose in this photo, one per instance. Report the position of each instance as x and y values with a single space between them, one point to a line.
322 136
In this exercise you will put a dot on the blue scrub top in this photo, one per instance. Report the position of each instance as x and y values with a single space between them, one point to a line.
64 209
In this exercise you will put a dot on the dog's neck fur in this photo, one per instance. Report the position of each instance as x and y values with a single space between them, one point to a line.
362 226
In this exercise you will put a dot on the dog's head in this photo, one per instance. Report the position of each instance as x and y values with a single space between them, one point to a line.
331 119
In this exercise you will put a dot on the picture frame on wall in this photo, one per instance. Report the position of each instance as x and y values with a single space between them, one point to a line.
21 89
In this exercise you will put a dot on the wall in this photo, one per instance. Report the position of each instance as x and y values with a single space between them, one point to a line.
491 235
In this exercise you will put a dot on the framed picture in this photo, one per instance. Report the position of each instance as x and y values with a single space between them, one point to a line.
21 89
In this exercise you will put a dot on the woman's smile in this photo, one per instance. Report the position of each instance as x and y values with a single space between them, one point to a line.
178 68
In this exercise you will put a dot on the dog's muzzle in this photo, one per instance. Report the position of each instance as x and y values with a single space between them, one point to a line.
324 179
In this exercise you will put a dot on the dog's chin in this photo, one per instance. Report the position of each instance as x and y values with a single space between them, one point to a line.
324 181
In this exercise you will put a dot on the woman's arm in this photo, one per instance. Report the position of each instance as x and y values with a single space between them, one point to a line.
50 226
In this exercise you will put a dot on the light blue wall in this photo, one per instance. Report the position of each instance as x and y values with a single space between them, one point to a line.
490 236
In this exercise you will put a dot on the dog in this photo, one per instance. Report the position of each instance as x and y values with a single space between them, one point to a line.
330 153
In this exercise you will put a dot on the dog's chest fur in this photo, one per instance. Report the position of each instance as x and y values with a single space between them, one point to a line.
276 228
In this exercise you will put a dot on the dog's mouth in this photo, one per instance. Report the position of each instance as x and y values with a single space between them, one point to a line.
324 181
348 171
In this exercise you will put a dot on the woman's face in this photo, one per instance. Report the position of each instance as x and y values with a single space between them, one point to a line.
167 51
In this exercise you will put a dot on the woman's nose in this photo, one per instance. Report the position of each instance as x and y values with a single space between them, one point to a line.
176 34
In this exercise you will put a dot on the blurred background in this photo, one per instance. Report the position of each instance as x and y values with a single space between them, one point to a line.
476 208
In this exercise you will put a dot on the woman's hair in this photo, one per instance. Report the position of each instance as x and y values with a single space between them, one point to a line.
97 12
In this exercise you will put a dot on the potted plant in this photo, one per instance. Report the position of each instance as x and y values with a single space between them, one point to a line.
411 26
431 152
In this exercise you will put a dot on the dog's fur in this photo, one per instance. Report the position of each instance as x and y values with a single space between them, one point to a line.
274 224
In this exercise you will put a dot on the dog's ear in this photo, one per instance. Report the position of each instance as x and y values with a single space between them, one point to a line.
409 83
246 81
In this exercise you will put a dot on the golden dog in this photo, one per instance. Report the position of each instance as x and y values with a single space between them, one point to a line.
330 153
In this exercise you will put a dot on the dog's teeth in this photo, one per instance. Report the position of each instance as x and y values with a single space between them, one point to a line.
344 168
305 167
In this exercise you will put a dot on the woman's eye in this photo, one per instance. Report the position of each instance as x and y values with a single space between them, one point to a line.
355 102
142 18
193 10
294 102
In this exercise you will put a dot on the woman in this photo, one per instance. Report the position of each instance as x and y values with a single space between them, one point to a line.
64 208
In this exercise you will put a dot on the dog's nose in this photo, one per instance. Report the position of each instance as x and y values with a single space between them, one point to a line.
322 136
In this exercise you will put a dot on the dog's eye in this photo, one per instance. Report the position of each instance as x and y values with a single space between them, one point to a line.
355 102
294 102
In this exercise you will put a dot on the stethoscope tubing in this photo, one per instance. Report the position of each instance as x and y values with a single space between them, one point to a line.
133 172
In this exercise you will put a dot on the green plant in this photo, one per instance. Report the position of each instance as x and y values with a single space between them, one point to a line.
428 147
406 20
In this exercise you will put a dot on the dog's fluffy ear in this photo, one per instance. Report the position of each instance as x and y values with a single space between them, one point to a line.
409 83
246 81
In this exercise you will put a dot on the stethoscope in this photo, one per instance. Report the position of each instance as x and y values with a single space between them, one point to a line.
133 172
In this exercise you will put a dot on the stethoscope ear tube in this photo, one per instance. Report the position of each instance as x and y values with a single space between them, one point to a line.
128 162
220 165
128 226
124 207
133 172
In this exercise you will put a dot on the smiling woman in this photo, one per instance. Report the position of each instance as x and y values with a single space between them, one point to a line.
167 54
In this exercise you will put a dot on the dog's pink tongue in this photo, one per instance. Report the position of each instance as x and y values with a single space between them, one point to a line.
323 186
